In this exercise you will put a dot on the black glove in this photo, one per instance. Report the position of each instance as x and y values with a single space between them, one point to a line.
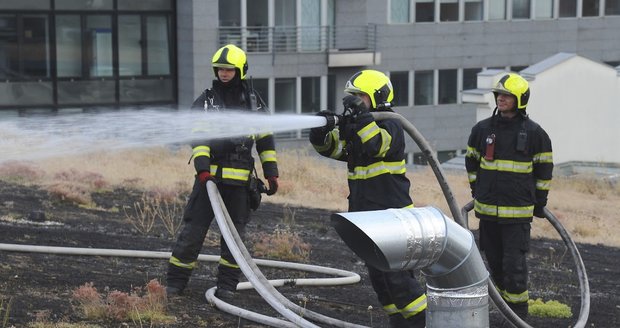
354 104
317 135
539 211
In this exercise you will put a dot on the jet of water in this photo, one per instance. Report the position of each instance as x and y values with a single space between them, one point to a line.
28 138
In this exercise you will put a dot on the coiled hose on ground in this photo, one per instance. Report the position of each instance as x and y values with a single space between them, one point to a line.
460 216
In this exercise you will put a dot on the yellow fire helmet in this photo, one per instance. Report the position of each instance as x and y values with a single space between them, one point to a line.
230 56
373 83
514 84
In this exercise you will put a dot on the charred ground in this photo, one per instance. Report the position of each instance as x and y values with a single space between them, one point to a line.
43 283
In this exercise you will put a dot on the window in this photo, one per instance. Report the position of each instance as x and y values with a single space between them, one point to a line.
473 10
424 11
449 10
285 33
144 4
310 94
423 92
520 9
612 7
497 10
68 46
310 36
590 8
470 78
544 8
83 5
332 91
25 4
258 26
568 8
399 11
400 83
24 60
285 101
447 86
261 86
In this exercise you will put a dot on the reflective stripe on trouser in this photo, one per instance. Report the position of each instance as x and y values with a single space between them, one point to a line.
197 218
506 247
398 292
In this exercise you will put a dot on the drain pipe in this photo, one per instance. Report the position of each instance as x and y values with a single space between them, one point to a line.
423 238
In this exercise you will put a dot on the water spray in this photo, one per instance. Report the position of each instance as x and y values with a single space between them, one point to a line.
30 138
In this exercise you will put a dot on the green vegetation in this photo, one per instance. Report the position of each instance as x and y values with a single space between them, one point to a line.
549 309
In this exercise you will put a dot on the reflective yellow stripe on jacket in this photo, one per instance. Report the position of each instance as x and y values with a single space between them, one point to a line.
506 166
201 151
376 169
504 211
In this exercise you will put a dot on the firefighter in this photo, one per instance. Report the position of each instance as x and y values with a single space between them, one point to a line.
227 162
509 163
374 152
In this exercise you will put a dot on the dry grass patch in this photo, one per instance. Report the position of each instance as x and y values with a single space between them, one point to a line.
589 208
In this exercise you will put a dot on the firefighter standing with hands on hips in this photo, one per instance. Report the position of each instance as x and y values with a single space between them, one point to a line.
374 151
509 163
227 162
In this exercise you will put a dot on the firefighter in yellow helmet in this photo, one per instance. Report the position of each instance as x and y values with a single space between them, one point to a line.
229 163
374 151
509 163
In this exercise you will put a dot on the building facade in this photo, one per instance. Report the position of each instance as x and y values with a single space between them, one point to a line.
71 53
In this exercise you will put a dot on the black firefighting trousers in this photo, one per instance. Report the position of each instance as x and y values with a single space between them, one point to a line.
399 289
505 247
197 218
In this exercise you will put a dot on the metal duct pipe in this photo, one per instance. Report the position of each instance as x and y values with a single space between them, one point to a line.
424 238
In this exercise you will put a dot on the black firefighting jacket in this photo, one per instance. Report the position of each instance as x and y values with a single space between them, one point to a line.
230 160
509 164
374 151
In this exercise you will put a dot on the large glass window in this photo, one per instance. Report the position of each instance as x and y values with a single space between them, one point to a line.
399 11
424 10
400 83
310 94
447 86
612 7
84 63
423 88
520 9
449 10
568 8
497 10
544 8
473 10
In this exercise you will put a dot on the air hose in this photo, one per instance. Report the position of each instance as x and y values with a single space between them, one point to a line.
460 216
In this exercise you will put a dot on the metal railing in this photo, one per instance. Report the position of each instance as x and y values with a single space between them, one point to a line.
299 38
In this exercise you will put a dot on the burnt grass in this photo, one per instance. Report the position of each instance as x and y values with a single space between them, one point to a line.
40 283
